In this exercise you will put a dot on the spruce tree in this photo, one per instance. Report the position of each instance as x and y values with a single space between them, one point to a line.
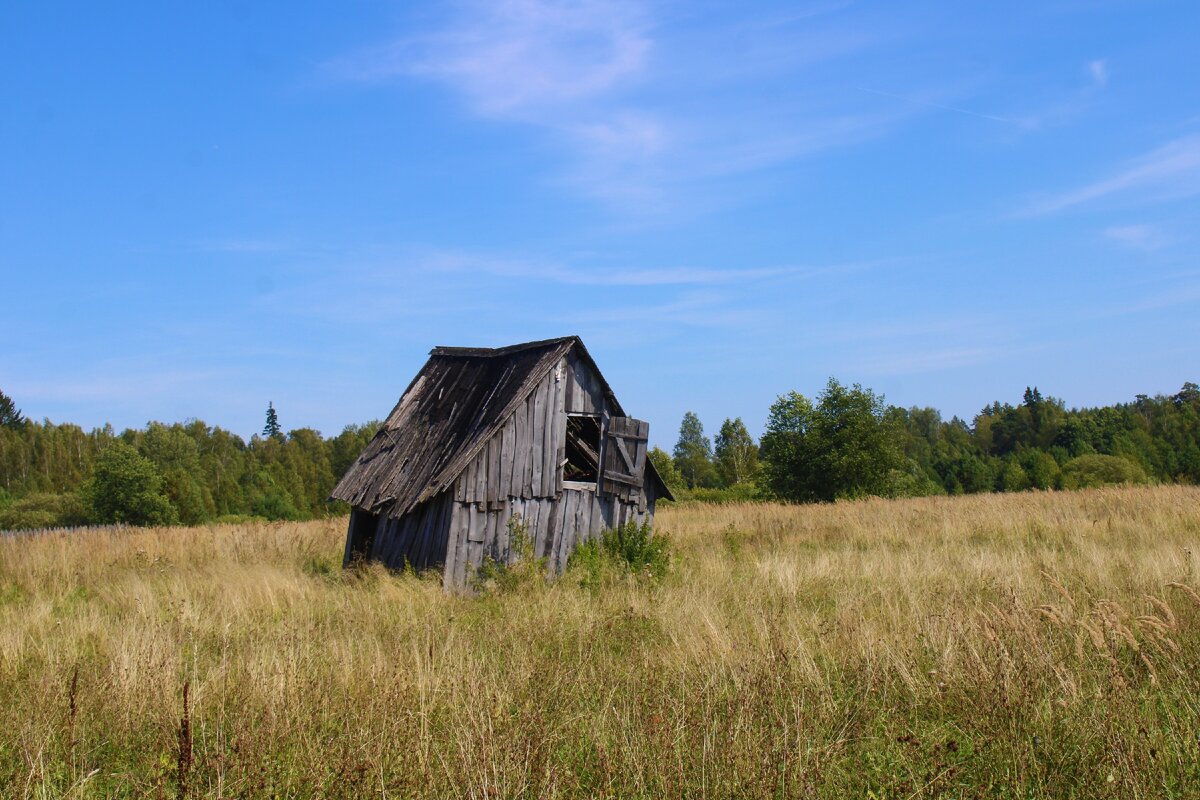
10 415
272 430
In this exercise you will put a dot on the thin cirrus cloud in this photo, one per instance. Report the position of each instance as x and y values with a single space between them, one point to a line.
589 275
1169 172
1143 236
517 59
643 118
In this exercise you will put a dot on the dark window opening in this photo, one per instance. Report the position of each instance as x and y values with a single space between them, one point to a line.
583 449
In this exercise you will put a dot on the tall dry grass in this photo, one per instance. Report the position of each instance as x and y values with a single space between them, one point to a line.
1033 645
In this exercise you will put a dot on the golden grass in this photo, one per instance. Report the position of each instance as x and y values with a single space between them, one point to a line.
1042 644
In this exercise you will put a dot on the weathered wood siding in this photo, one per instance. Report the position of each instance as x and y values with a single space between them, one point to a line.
518 472
556 525
418 539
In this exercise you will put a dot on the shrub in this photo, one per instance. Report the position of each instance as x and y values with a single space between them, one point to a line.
276 505
628 549
43 510
1094 470
737 493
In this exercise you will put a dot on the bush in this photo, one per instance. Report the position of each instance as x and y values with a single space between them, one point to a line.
276 505
737 493
1094 470
911 481
43 510
628 549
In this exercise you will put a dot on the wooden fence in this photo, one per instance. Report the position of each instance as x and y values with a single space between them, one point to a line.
66 530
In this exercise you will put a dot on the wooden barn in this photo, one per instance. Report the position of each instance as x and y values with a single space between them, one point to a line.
483 434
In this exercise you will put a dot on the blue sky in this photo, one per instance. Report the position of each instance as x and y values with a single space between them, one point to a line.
205 207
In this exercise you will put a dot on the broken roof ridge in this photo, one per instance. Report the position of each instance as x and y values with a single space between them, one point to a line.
442 350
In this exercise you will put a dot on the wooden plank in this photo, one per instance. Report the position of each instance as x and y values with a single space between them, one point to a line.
560 437
420 526
492 456
475 532
526 449
541 526
468 479
462 527
596 520
481 476
571 530
550 445
474 557
437 558
495 522
551 521
453 529
557 518
517 482
566 539
425 544
592 398
507 434
502 537
566 516
539 436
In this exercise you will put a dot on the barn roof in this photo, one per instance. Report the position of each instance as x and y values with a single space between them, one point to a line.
454 405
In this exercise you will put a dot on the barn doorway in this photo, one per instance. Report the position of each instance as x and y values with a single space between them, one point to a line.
363 525
583 449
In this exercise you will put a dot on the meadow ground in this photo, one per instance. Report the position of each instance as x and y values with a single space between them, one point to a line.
1030 645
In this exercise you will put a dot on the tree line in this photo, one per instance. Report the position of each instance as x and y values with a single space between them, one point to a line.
60 475
846 442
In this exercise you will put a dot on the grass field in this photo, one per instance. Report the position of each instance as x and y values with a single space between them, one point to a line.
1017 646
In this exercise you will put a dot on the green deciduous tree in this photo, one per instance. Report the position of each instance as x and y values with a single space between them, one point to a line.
665 466
693 453
844 446
736 453
126 487
788 450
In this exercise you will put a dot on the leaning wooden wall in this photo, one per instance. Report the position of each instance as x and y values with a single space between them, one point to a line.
418 539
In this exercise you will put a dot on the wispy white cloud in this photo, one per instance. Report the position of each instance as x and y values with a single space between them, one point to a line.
1169 172
707 309
607 275
514 58
1139 237
642 115
940 106
1098 70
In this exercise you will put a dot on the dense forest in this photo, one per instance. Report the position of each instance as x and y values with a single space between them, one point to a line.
844 443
